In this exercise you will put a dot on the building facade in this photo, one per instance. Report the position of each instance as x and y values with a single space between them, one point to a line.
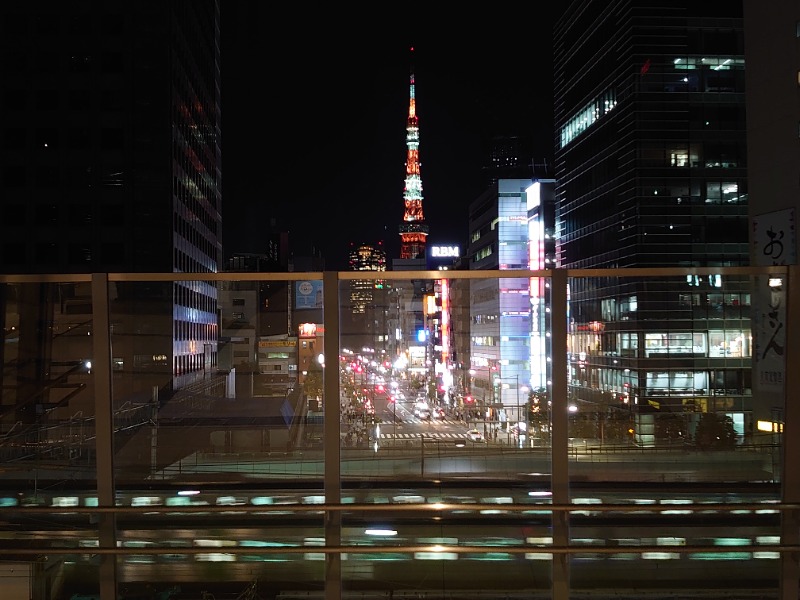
366 322
500 308
651 170
111 163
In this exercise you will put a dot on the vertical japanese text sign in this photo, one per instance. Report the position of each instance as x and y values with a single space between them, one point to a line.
774 244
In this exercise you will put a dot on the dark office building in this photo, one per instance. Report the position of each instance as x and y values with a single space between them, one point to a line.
651 170
508 157
111 163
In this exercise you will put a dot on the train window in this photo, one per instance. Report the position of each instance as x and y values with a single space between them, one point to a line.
262 500
498 500
768 539
435 556
146 501
185 501
65 501
586 501
209 543
231 500
539 541
316 499
660 555
215 557
408 499
671 541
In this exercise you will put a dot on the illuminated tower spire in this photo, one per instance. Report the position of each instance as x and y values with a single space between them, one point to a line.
413 229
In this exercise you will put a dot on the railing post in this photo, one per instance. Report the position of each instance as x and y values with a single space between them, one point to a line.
330 433
104 431
559 434
790 474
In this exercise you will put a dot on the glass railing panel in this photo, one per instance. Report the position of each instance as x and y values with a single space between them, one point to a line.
439 397
672 537
217 406
662 395
219 428
48 400
47 429
197 397
438 377
660 375
259 555
473 547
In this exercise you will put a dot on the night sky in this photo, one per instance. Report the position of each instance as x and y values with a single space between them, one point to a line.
314 110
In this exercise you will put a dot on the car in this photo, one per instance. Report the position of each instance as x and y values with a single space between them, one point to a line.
475 435
422 413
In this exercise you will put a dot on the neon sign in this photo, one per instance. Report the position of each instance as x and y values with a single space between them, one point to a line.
445 251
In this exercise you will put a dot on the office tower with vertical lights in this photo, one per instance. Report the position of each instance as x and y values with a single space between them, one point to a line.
500 309
650 167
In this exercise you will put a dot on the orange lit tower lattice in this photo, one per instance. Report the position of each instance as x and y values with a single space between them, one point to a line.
413 229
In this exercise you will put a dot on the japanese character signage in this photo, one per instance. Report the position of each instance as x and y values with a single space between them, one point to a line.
774 243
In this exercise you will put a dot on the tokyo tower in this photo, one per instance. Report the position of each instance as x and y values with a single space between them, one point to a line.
413 229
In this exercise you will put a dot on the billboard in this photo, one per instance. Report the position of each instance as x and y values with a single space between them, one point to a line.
307 294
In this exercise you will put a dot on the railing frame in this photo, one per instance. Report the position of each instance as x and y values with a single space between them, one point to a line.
561 550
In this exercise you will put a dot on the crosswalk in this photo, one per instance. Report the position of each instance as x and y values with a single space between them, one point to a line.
426 435
415 419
